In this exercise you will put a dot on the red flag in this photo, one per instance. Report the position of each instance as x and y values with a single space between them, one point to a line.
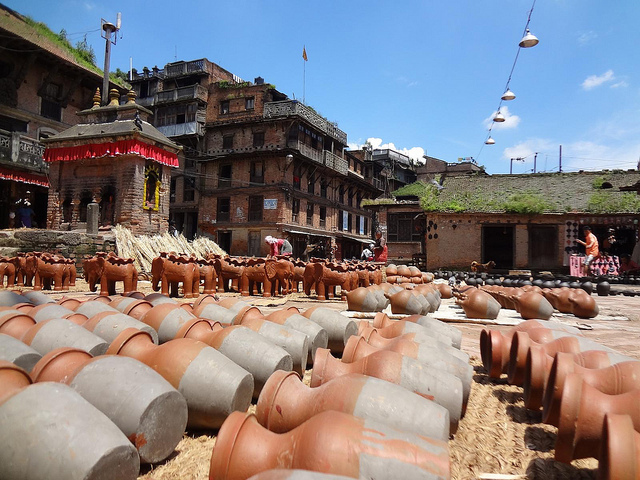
304 54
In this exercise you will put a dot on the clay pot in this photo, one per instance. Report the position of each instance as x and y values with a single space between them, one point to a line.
582 412
9 298
358 349
133 307
318 336
146 408
333 442
47 311
362 300
108 325
156 299
14 351
93 307
603 289
207 298
559 298
613 380
405 302
431 324
479 305
15 323
295 474
532 305
40 446
38 298
495 345
58 332
166 319
339 328
584 306
245 347
136 294
620 449
215 312
285 403
444 289
70 303
410 331
212 385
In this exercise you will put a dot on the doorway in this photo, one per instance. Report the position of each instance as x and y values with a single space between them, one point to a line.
543 247
224 241
255 244
497 245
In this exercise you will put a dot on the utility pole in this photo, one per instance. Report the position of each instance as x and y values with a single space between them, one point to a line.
560 160
535 157
107 30
519 159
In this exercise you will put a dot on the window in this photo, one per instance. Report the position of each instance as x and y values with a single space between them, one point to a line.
257 172
309 213
403 228
341 194
350 223
224 175
249 103
258 139
366 226
189 189
176 114
297 173
172 190
50 109
256 202
224 107
227 142
223 214
311 184
323 216
295 210
350 198
323 189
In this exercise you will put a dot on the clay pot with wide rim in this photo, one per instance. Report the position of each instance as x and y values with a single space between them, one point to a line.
397 328
330 442
133 307
166 319
339 328
14 351
212 385
619 457
432 324
291 318
286 402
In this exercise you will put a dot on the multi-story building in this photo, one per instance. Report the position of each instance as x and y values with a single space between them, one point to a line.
257 164
43 84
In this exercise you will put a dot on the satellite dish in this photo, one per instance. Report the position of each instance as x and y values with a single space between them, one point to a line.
118 21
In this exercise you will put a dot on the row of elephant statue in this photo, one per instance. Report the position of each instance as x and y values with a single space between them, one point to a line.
38 269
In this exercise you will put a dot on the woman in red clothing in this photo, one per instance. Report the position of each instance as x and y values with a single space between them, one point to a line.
278 246
380 248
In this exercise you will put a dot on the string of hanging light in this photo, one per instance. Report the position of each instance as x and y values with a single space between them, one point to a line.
528 40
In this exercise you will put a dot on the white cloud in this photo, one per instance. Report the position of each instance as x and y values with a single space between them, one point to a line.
587 37
510 121
528 148
415 153
593 81
620 84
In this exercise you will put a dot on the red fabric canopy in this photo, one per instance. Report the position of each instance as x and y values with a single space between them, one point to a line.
113 149
6 174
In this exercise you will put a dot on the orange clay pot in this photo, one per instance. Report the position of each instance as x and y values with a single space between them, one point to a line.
620 452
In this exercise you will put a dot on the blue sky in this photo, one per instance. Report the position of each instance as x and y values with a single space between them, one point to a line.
421 76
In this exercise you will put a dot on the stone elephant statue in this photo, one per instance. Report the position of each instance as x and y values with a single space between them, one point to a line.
228 269
7 269
169 269
254 274
109 269
279 271
48 269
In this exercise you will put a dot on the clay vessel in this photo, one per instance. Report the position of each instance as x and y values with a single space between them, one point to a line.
556 342
133 307
245 347
215 312
582 412
614 380
400 328
285 403
40 446
38 298
58 332
318 336
166 319
603 289
212 385
93 307
156 299
405 301
443 388
330 442
444 289
362 300
619 457
14 351
295 474
70 303
47 311
495 345
15 323
432 324
108 325
147 409
207 298
584 306
9 298
532 305
358 348
339 328
479 305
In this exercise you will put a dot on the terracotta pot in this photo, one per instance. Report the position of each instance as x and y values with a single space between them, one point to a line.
157 298
47 311
362 300
212 385
495 345
559 298
215 312
613 380
295 474
108 325
15 323
285 403
619 457
479 305
582 412
245 347
138 295
207 298
70 303
331 442
93 307
397 328
556 342
9 298
166 319
339 328
532 305
405 302
28 446
584 305
434 325
58 332
133 307
38 298
14 351
295 343
146 408
318 336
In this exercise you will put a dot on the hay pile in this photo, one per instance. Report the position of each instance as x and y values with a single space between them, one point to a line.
144 248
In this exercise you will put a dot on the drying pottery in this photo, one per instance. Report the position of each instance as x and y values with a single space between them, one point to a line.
108 325
362 300
166 319
38 298
397 328
619 457
318 336
339 328
133 307
434 325
58 332
14 351
532 305
405 301
286 474
479 305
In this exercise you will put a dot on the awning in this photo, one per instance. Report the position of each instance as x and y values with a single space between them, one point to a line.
298 232
31 178
355 239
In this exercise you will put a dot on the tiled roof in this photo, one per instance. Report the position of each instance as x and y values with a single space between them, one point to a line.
563 192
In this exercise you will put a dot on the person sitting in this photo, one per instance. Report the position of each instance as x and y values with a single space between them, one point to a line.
278 246
628 266
380 250
367 253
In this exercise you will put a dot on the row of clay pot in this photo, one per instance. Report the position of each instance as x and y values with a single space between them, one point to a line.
582 387
419 299
402 274
476 303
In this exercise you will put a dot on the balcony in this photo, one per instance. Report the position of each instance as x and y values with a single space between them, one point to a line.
307 151
182 129
288 108
185 68
192 92
23 152
335 162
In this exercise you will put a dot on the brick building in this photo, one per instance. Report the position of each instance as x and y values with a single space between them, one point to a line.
42 87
